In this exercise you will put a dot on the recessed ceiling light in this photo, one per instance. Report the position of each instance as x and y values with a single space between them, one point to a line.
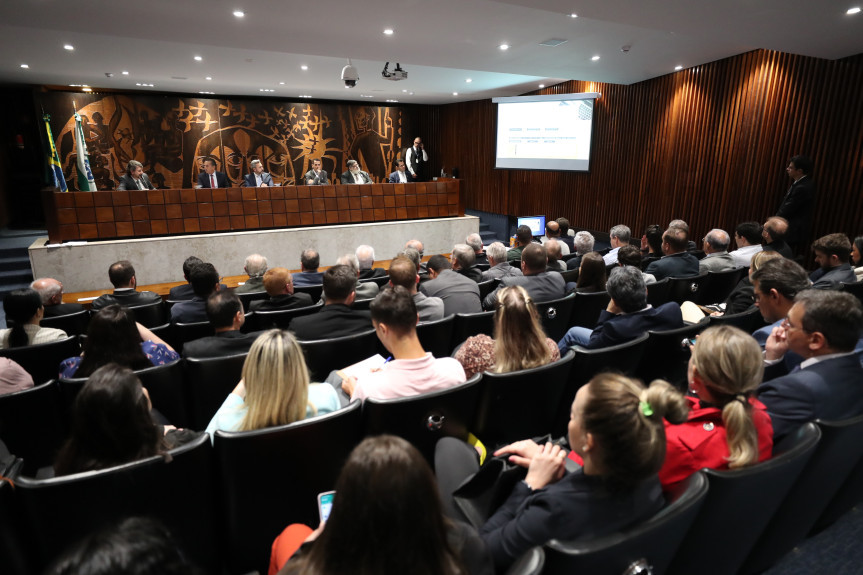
208 78
410 93
388 31
198 58
392 101
366 96
125 72
239 13
678 68
74 85
573 15
304 96
87 89
204 92
504 46
455 93
853 10
281 83
69 47
468 80
86 85
25 66
405 91
595 58
266 90
542 85
304 67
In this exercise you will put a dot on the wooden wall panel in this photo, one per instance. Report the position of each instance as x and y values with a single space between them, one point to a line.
709 145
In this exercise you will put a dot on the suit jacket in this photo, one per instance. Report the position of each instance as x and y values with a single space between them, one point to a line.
127 183
679 265
62 309
394 177
221 180
472 273
481 258
500 271
334 320
190 311
125 297
544 286
574 263
718 262
459 294
318 180
428 308
829 389
612 329
348 178
308 278
185 292
781 247
831 279
372 273
797 207
222 344
282 302
249 180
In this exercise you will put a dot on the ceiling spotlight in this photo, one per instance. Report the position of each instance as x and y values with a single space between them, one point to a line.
854 10
392 101
304 96
125 72
69 47
388 31
504 46
281 83
468 80
25 66
304 67
405 91
208 78
455 93
198 58
678 68
595 58
542 85
410 93
239 13
573 15
366 96
206 92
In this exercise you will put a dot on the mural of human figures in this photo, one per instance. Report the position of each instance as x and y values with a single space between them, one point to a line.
172 135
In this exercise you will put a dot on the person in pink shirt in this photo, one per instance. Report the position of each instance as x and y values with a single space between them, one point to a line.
412 370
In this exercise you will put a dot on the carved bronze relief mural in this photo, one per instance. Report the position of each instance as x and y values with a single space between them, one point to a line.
171 135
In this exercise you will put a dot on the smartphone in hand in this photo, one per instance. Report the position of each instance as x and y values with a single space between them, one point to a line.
325 504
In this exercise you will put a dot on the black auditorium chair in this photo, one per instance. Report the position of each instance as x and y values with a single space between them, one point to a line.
210 380
183 332
363 304
270 478
686 288
855 289
13 549
657 292
266 319
380 280
486 287
835 456
749 320
570 275
423 419
739 504
313 291
468 324
72 323
555 316
248 298
719 285
436 336
651 543
483 267
849 495
667 354
587 307
166 386
42 361
33 424
326 355
179 491
520 404
151 315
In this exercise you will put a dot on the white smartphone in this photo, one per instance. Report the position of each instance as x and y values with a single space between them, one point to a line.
325 504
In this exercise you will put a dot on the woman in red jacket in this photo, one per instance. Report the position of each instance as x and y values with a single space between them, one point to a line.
727 427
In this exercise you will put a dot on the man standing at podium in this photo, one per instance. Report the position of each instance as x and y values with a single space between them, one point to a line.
258 178
135 178
210 178
416 159
316 176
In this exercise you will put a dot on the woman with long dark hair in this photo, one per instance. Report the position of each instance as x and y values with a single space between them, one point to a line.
591 274
24 308
857 257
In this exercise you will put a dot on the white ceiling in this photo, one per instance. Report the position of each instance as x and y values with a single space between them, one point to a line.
440 43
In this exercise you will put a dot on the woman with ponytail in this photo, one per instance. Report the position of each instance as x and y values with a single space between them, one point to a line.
23 309
727 427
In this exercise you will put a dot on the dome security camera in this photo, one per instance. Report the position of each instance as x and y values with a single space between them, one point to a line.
350 75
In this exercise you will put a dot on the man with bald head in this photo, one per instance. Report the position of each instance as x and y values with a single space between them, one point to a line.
553 250
51 292
552 232
310 261
280 287
366 258
718 259
540 284
403 272
773 233
255 266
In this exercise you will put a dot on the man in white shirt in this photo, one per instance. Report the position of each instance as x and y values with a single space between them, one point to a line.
618 236
748 239
416 159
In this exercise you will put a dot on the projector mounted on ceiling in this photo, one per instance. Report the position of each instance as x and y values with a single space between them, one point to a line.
395 75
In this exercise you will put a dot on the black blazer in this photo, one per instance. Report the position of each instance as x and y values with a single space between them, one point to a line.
249 180
125 298
334 320
62 309
282 302
127 183
221 180
797 208
220 345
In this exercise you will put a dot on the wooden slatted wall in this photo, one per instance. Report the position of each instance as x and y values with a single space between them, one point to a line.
709 145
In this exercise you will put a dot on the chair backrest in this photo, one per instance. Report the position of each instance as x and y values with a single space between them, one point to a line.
555 316
271 478
209 381
266 319
848 496
719 286
531 563
183 332
855 289
436 336
151 314
520 404
42 361
468 324
654 540
657 292
33 424
749 320
363 304
166 385
739 504
623 358
587 307
249 297
686 288
836 455
667 354
487 287
570 275
313 291
381 281
423 419
483 267
326 355
72 323
179 492
13 550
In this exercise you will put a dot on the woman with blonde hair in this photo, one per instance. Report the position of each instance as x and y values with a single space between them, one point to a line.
274 389
727 427
519 340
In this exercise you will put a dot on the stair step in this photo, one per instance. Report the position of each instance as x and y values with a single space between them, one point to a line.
10 287
15 276
20 262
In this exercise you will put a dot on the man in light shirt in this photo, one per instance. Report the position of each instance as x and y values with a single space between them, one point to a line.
354 175
748 239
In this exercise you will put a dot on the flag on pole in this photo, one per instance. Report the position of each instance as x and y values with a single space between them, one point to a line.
86 183
54 158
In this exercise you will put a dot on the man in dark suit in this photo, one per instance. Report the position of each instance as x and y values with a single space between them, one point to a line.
569 240
463 261
500 268
225 313
366 258
823 327
354 175
628 314
258 178
677 262
798 204
205 281
316 176
184 292
475 242
832 253
122 276
336 318
310 261
540 284
134 178
400 176
51 292
773 233
210 178
459 294
280 287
